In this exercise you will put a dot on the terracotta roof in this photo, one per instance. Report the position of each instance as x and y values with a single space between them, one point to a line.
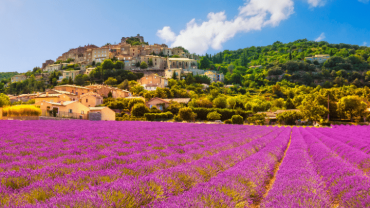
91 94
179 100
49 95
97 108
73 86
282 111
65 103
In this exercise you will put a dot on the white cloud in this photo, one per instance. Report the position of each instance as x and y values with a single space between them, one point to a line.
316 3
364 44
364 1
253 15
321 37
166 34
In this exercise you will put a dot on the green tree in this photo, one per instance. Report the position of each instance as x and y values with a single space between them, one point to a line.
187 114
174 107
174 76
220 102
107 64
351 106
289 104
111 81
311 110
143 65
139 110
213 116
237 119
258 119
289 117
204 63
81 79
4 100
134 101
124 85
119 65
150 62
70 81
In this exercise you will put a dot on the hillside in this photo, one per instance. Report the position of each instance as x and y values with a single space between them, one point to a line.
7 75
348 64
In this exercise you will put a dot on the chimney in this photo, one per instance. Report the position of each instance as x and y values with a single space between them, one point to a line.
61 102
47 94
37 94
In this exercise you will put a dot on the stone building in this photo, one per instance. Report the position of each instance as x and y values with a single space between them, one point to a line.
18 78
152 81
47 62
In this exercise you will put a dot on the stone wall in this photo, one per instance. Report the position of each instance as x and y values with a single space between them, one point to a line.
52 118
94 116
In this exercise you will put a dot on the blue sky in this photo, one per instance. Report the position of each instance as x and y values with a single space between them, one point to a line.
33 31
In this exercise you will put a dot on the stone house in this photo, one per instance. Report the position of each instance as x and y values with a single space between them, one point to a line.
77 90
153 80
106 114
215 77
18 78
103 91
161 104
91 99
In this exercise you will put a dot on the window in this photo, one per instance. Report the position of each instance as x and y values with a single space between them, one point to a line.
82 112
87 100
69 110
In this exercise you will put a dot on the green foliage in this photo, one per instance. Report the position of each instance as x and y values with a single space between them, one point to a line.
351 106
258 119
158 116
312 110
4 100
150 62
187 114
154 109
107 64
204 63
143 65
134 101
228 121
111 81
139 110
289 117
81 79
237 119
225 113
213 116
7 75
220 102
174 107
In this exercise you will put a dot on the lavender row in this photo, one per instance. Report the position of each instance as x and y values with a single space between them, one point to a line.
240 186
347 186
354 156
297 183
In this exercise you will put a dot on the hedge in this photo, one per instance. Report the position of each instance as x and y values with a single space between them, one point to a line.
158 116
225 113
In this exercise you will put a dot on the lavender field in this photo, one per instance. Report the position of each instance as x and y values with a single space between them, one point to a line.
148 164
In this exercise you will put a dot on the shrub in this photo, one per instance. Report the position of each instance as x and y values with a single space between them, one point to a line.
225 113
158 116
134 101
237 119
139 110
177 118
22 110
154 109
214 116
228 121
187 114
